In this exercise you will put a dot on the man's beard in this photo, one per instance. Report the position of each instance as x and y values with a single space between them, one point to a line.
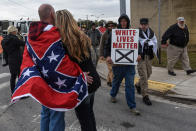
181 26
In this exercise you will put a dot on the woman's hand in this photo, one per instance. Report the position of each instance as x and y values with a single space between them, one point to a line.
89 78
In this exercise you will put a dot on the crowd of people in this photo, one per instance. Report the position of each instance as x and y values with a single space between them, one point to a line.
79 45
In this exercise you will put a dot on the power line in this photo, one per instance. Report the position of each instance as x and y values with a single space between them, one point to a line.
14 3
11 5
17 4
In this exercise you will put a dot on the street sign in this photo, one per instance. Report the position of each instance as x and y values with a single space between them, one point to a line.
124 49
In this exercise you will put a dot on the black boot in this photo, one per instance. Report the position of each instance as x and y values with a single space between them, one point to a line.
138 88
188 72
5 64
171 73
147 101
109 84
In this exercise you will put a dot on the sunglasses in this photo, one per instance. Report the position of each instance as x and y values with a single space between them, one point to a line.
144 24
110 25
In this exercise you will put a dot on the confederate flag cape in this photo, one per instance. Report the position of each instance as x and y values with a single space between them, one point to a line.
47 73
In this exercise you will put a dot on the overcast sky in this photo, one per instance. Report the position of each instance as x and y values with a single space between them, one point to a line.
15 9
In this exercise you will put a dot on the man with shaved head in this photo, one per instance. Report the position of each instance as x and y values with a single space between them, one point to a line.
47 14
50 120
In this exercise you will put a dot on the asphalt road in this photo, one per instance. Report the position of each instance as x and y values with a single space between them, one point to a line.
163 115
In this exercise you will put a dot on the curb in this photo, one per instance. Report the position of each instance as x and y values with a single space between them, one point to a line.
169 94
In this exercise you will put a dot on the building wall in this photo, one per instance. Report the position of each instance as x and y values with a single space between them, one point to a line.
170 10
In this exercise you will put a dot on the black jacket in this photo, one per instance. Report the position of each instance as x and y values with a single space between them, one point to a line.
177 36
107 46
95 37
87 66
11 46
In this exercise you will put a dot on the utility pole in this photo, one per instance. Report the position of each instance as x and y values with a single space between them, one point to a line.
122 7
159 28
87 21
130 12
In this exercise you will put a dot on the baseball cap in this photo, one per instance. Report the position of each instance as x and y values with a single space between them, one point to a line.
180 19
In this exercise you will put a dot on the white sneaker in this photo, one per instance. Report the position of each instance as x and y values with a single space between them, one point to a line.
134 111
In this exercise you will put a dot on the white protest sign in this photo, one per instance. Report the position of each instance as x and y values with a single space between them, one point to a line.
124 48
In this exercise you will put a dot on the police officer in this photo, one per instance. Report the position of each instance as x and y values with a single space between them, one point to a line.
148 45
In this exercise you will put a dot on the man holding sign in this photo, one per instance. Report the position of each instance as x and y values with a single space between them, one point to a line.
122 50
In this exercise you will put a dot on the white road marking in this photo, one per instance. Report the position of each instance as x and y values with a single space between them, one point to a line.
72 125
2 75
5 84
3 107
75 126
177 107
36 118
102 128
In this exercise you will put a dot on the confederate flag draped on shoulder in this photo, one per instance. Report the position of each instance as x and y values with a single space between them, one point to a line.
47 73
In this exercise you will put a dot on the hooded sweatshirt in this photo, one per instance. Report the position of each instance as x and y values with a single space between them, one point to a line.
123 16
107 46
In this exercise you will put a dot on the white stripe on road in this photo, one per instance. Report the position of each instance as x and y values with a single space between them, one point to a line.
73 125
4 107
2 75
36 119
5 84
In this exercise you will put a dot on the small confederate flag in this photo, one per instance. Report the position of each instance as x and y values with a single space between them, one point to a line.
47 73
102 29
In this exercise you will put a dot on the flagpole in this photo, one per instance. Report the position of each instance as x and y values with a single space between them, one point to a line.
122 7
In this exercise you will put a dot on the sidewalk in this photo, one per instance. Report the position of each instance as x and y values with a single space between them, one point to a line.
180 86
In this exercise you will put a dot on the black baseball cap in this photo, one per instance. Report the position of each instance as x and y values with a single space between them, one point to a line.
93 24
144 21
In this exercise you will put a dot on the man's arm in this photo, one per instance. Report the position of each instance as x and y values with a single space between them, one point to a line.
101 47
187 35
167 35
139 52
19 42
98 35
88 33
107 49
107 46
139 49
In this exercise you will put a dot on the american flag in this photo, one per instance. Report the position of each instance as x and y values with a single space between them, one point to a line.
49 76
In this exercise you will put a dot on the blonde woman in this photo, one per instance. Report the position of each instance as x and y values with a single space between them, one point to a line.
78 45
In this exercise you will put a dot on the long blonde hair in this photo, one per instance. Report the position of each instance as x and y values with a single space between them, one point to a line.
75 40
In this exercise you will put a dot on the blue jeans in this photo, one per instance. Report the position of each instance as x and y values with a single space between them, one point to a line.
52 120
127 72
